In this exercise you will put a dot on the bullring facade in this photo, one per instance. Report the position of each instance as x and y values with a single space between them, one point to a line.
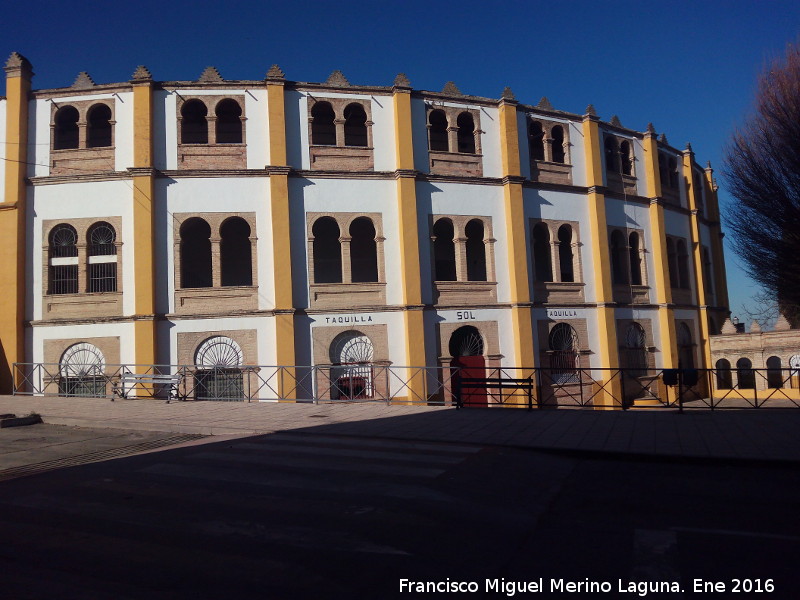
275 222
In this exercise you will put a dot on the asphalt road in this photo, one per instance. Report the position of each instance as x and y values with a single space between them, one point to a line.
295 516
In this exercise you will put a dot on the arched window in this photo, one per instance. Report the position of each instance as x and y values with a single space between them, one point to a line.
683 265
565 265
685 347
219 376
466 341
476 251
63 254
229 122
745 376
351 354
437 131
564 364
559 153
724 377
236 260
663 169
634 258
708 280
611 154
98 123
363 251
102 258
774 372
444 250
672 263
82 368
466 133
195 254
673 173
66 128
327 251
625 157
194 127
619 266
542 259
697 183
355 125
536 140
323 128
635 351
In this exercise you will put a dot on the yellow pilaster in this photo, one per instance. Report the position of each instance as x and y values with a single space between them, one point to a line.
516 230
12 220
660 279
281 228
692 196
405 176
717 248
145 351
608 351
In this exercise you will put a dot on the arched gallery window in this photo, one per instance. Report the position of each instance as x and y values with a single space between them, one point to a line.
723 373
98 124
236 260
745 376
355 125
323 128
63 257
476 251
444 250
327 251
229 122
542 258
195 248
66 128
437 131
102 251
466 133
194 127
363 251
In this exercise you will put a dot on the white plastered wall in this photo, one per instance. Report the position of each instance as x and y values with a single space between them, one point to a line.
264 326
82 200
123 131
562 206
124 331
442 198
345 196
630 215
297 133
214 195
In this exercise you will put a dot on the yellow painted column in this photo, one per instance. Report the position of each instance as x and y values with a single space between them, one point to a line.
692 196
717 248
609 393
281 233
12 220
405 176
143 175
658 234
516 235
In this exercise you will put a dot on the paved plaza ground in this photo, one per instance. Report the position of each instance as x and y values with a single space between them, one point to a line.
295 501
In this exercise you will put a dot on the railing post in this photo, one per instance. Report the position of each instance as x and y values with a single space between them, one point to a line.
622 402
680 390
530 392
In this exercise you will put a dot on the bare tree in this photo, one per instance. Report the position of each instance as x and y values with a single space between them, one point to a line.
762 168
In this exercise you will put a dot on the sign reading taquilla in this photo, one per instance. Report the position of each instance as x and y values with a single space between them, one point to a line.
565 313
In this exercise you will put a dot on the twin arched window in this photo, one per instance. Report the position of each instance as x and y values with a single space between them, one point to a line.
228 128
100 260
354 124
626 260
235 254
618 155
445 244
544 147
361 245
543 257
67 125
439 132
678 263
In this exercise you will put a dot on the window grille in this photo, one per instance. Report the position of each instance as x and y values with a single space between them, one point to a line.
218 375
635 351
564 357
64 279
81 368
351 376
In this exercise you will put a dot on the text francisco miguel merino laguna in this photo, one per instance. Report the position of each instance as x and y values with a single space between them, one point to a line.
510 588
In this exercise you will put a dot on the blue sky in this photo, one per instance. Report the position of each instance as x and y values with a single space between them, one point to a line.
688 67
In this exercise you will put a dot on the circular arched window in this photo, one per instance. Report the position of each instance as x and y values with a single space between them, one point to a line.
218 351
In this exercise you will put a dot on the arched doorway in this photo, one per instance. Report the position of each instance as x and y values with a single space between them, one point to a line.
466 348
82 368
219 375
352 354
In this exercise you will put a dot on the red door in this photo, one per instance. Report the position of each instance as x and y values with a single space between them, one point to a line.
470 366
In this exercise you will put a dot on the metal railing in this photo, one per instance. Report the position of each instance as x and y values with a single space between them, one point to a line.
682 389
